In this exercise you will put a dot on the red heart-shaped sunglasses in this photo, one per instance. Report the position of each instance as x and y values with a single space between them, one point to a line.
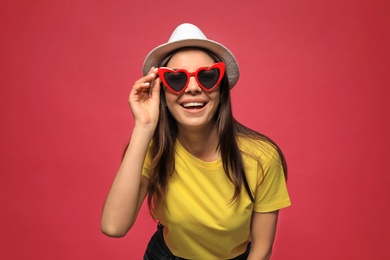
207 77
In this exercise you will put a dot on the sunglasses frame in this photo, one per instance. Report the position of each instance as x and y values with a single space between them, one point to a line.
218 65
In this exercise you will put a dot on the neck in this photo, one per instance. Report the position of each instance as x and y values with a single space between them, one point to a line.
200 143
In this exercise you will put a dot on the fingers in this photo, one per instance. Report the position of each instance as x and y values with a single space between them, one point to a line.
146 81
142 88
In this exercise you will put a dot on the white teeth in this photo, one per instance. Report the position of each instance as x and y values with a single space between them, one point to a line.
193 104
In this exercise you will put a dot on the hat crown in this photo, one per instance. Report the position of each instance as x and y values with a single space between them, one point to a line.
186 31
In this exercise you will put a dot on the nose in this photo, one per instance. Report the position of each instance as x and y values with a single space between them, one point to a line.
193 86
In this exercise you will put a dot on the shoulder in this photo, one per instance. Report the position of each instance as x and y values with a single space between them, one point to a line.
259 149
262 155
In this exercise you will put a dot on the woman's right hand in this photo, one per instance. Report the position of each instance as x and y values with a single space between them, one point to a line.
144 103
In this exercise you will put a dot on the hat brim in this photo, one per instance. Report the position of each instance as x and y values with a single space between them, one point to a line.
154 58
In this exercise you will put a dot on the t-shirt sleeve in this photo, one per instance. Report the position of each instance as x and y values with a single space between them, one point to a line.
271 192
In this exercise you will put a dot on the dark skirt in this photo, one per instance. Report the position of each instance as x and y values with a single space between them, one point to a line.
158 250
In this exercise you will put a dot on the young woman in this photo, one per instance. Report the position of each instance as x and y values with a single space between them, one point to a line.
214 186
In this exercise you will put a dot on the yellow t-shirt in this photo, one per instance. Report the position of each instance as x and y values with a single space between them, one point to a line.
200 222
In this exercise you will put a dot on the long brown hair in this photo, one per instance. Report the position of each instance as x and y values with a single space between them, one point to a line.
164 138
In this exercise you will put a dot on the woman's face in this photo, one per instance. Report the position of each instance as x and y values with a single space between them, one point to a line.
193 108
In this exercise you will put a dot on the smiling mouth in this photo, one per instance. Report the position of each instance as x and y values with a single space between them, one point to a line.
194 105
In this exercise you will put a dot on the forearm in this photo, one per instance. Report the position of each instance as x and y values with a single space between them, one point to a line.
263 230
126 193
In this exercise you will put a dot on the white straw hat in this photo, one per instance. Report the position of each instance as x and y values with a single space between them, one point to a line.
188 35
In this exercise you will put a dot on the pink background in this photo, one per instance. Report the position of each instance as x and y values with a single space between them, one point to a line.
314 77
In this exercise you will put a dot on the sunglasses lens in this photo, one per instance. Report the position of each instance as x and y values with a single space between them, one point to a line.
176 80
208 78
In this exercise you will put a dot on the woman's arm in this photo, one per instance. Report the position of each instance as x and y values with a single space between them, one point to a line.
263 230
129 187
